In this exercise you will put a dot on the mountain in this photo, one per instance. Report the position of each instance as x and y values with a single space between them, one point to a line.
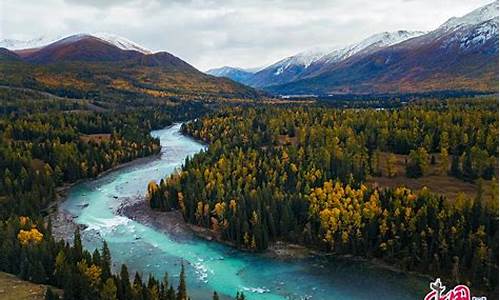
236 74
461 54
305 63
45 40
285 70
80 47
110 68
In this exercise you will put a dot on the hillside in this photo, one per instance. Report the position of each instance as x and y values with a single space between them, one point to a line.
84 66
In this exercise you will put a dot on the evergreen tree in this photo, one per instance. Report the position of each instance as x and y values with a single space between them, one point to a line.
181 289
105 261
77 246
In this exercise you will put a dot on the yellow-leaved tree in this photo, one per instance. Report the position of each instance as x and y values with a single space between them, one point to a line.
29 237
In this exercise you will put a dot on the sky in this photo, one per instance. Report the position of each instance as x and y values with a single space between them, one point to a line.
210 33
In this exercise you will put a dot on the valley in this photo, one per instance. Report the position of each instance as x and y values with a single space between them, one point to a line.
209 266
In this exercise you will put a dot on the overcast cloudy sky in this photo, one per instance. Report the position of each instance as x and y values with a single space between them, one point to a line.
210 33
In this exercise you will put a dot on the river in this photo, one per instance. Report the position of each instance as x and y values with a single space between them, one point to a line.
211 266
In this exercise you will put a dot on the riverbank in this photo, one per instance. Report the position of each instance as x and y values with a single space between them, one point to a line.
63 225
173 224
62 191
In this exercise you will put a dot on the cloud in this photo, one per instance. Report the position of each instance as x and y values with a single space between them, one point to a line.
209 33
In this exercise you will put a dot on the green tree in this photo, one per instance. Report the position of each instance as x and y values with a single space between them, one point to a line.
418 163
181 289
108 291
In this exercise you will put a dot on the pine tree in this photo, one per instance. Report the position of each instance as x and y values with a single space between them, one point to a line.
181 289
77 246
105 261
125 288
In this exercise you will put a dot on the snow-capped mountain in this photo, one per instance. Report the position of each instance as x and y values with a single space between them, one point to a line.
285 70
461 54
471 30
14 44
227 70
121 42
42 41
477 16
477 30
302 59
307 62
374 42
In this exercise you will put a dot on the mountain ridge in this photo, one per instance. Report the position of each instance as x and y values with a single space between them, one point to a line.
463 51
463 56
85 66
45 40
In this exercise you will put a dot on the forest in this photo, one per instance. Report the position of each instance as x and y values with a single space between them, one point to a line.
47 143
301 174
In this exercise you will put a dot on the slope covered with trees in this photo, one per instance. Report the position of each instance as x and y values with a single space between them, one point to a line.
88 67
298 174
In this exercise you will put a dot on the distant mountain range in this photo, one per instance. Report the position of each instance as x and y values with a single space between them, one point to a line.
109 67
236 74
461 54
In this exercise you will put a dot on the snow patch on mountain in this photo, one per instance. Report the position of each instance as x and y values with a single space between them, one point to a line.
480 35
471 30
46 40
121 42
226 70
307 58
302 59
14 44
379 40
476 17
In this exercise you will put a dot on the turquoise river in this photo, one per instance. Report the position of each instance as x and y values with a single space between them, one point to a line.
211 266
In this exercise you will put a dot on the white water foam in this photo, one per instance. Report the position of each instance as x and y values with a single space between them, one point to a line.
108 225
257 290
201 271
